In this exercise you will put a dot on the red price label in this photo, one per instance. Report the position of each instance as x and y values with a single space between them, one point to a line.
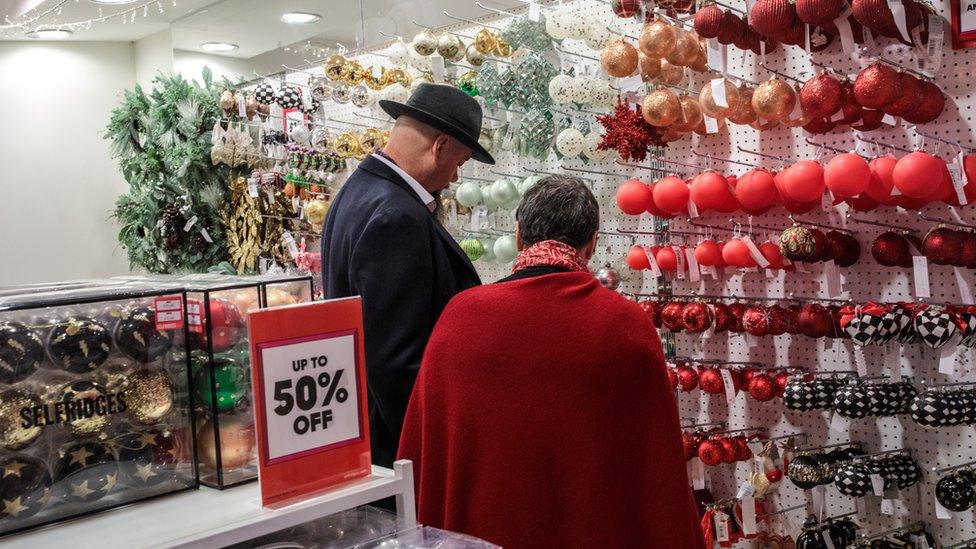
169 312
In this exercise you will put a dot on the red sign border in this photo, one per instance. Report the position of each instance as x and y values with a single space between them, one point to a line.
960 40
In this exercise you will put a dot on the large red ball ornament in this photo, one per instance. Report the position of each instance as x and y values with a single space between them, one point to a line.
817 126
755 321
653 311
849 106
626 8
756 190
637 258
847 175
673 379
819 13
892 249
690 442
710 381
633 196
687 378
730 453
967 253
821 247
671 316
709 191
710 453
696 317
708 21
814 321
762 388
802 182
780 381
736 253
943 246
738 311
873 14
881 183
228 326
733 28
671 194
772 254
742 451
929 108
870 120
708 253
863 203
653 209
771 17
780 320
667 260
910 97
877 86
724 320
843 248
821 96
916 175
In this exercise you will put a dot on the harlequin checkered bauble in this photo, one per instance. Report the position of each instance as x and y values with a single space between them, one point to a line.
906 470
853 479
967 328
801 395
264 93
888 329
863 328
931 409
852 401
906 394
289 97
934 327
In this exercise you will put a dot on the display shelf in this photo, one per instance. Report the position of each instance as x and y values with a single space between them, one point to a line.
215 518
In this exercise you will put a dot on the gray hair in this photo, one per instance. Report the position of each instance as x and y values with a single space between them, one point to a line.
558 207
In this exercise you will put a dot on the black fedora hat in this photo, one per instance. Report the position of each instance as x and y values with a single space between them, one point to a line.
448 109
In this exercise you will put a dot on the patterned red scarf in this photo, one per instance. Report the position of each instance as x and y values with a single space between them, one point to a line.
550 253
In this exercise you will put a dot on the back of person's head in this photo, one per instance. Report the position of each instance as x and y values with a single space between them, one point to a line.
558 207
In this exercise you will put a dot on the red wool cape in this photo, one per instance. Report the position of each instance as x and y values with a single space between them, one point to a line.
542 417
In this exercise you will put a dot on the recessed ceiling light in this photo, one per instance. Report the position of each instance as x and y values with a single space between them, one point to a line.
49 34
218 46
111 1
300 18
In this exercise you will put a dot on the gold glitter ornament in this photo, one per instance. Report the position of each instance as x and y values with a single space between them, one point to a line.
474 56
708 104
315 211
425 43
398 76
743 113
686 49
374 82
227 100
84 395
774 100
371 140
502 48
13 434
449 47
347 145
148 395
657 39
691 114
354 73
619 58
661 108
485 42
671 74
650 67
236 443
335 67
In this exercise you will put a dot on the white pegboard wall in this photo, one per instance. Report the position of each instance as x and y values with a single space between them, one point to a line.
864 281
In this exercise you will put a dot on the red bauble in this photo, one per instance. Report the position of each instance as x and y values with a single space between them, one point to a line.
967 253
738 311
819 13
710 381
755 321
863 203
733 28
877 86
917 175
671 195
851 108
881 179
687 378
780 381
626 8
910 97
690 441
671 315
819 126
943 246
672 379
653 310
847 175
762 388
633 196
771 17
736 254
667 260
772 254
795 35
814 320
756 190
779 320
802 182
724 320
747 375
729 450
708 21
821 96
821 247
774 475
637 258
228 325
873 14
708 253
710 452
892 249
709 191
843 248
696 317
742 451
930 107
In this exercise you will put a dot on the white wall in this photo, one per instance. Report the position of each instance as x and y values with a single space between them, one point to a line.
190 64
153 55
58 184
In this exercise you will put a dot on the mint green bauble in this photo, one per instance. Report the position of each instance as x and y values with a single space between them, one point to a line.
505 249
468 194
504 192
473 248
486 198
489 245
527 183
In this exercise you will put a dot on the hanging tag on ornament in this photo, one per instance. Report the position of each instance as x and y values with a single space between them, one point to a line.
889 120
252 189
721 527
306 101
920 266
877 484
270 192
655 269
718 93
478 216
746 489
840 424
846 34
815 496
716 56
935 45
453 214
941 512
630 84
711 125
958 181
535 11
834 286
710 271
679 257
437 68
748 504
806 38
189 224
860 362
289 241
241 106
839 115
947 359
828 543
963 281
752 340
729 385
692 209
697 474
920 541
898 12
887 507
762 52
206 235
754 252
694 274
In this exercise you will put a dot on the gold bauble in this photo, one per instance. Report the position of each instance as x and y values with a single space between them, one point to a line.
661 108
485 42
685 50
425 43
691 114
245 300
708 101
700 64
502 48
650 67
278 297
335 67
371 140
13 434
671 74
252 106
474 56
354 73
227 100
398 76
236 443
87 391
315 211
619 58
774 100
374 82
449 46
347 145
148 395
657 39
742 112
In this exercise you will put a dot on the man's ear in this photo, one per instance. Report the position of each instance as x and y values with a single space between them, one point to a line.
518 238
590 248
440 144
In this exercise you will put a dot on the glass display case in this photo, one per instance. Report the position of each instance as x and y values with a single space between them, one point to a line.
95 408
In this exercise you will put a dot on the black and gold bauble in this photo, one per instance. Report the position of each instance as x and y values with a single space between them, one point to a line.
797 243
805 471
137 336
25 485
86 471
21 352
79 344
86 408
13 434
148 458
955 493
148 395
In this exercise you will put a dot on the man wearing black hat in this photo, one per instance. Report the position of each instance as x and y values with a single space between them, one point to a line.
382 241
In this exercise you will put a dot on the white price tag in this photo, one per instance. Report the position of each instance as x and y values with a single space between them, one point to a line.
889 120
630 84
697 474
289 241
898 11
711 125
241 106
846 34
746 489
877 485
839 115
840 424
887 507
828 543
958 180
710 271
757 256
748 515
535 11
679 257
729 385
721 527
935 45
941 512
693 273
692 209
947 359
818 497
716 57
718 93
206 235
965 286
834 287
310 394
437 68
306 102
920 541
190 223
655 269
860 361
252 189
920 265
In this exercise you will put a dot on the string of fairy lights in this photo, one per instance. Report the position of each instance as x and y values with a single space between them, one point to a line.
33 21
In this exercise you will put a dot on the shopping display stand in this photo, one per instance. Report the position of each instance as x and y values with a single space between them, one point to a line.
212 518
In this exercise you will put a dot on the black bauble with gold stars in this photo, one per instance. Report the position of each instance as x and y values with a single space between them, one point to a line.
86 471
148 458
137 336
21 352
25 485
79 344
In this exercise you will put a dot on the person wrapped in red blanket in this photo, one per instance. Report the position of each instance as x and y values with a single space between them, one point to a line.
542 414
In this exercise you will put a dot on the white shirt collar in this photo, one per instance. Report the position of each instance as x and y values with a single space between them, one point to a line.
425 197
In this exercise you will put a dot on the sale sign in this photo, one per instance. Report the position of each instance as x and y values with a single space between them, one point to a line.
308 368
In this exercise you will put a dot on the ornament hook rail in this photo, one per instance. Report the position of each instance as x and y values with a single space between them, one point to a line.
785 437
824 146
495 10
821 225
828 446
560 50
727 160
900 66
945 221
866 537
879 144
761 154
783 75
653 169
468 21
879 223
707 424
948 384
884 453
786 510
743 430
939 471
942 140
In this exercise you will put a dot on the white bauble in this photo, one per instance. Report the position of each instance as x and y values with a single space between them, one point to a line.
300 134
590 144
486 198
559 89
399 53
419 62
597 35
528 182
581 90
602 95
489 254
504 192
505 249
577 23
468 194
424 43
569 142
397 92
557 25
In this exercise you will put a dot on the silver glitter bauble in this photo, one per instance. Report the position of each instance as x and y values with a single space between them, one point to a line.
608 277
